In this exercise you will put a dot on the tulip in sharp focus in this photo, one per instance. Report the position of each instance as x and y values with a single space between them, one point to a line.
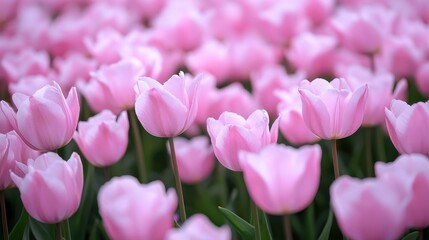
331 109
199 227
130 210
412 172
46 120
103 140
281 179
406 126
12 150
169 109
231 133
369 209
195 158
50 187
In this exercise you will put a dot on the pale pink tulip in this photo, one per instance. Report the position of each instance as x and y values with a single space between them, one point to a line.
103 139
24 63
167 110
199 227
50 187
411 171
195 158
45 120
405 124
12 150
5 126
131 210
422 79
281 179
28 85
105 47
232 133
331 109
369 209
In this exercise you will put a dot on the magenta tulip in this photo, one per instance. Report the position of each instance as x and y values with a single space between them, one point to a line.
331 109
369 209
50 187
281 179
195 158
170 109
12 150
46 120
231 133
103 140
405 124
130 210
412 172
199 227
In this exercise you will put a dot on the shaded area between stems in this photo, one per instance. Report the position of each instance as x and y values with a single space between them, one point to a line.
4 216
369 161
138 143
177 180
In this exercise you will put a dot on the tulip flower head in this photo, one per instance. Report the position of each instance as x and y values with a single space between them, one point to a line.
199 227
331 109
45 120
50 187
169 109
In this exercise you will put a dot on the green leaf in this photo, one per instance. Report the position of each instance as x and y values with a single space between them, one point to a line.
245 229
411 236
265 226
19 230
327 228
42 231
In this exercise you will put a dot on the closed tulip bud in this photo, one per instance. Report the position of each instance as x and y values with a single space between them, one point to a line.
405 124
169 109
199 227
12 150
231 133
50 187
130 210
45 120
331 109
281 179
103 140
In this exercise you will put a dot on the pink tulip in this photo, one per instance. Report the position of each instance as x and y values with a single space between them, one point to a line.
231 133
291 122
46 120
28 85
103 140
422 78
369 209
167 110
195 158
105 47
131 210
380 92
281 179
412 172
50 187
5 126
331 109
405 124
199 227
12 150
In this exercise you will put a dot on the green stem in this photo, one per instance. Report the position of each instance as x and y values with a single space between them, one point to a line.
106 173
309 217
380 145
335 158
287 227
369 162
59 232
66 229
256 220
138 144
221 175
4 216
177 179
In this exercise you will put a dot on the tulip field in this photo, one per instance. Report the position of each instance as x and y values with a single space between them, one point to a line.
214 119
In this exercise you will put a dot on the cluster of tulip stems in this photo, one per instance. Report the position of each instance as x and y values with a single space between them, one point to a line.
165 119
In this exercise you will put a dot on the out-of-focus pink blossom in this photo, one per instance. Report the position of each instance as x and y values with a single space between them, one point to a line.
199 227
105 47
28 85
103 139
50 187
332 110
232 133
405 124
422 78
131 210
45 120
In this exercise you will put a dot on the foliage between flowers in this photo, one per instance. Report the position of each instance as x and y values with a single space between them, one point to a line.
263 102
